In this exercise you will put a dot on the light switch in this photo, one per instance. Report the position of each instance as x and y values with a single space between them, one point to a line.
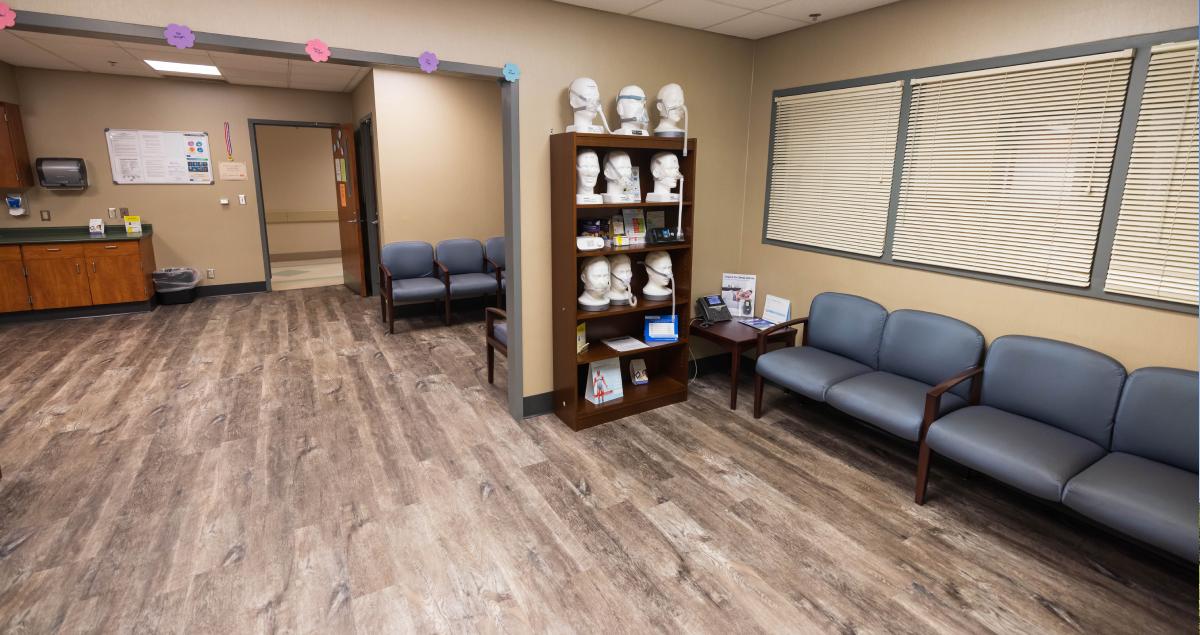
224 201
242 199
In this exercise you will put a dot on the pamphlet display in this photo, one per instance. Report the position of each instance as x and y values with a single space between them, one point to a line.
604 381
637 372
133 225
737 289
159 157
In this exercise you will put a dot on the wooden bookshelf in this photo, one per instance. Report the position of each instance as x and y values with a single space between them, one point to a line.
666 363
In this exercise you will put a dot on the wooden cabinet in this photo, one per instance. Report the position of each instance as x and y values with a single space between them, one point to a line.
115 272
14 293
65 275
56 276
15 169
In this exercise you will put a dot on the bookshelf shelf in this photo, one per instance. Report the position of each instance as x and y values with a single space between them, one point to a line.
666 363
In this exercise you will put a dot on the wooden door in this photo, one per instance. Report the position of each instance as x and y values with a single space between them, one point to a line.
115 272
350 229
14 292
56 276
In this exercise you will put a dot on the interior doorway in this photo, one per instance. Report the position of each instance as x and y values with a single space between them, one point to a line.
309 205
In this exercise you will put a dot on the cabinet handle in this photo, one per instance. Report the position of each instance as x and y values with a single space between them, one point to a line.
54 249
93 266
77 268
110 246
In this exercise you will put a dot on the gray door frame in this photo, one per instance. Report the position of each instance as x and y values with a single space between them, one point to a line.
509 124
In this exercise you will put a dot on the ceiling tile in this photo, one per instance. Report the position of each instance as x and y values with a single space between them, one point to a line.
697 14
613 6
166 53
19 52
829 9
756 25
237 61
754 5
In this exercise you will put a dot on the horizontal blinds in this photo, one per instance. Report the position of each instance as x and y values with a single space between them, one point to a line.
1155 249
831 170
1005 170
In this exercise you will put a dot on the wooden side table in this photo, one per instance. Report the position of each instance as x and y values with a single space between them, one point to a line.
736 338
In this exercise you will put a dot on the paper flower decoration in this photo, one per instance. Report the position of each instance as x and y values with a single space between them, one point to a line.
512 72
8 17
317 50
179 36
428 61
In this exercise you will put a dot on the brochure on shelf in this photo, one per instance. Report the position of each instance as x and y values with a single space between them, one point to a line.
624 344
604 381
637 372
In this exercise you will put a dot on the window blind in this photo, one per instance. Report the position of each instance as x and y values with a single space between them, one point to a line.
1005 170
1155 249
831 169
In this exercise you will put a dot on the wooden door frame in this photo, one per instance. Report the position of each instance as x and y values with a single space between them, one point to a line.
518 405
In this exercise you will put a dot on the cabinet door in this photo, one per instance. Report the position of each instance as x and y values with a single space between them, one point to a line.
116 279
14 293
56 283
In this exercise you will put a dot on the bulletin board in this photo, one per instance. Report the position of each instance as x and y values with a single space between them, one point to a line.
159 156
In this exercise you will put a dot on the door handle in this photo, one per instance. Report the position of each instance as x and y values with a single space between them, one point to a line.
375 222
353 220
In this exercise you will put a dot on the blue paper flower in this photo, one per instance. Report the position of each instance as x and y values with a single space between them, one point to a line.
179 36
512 72
428 61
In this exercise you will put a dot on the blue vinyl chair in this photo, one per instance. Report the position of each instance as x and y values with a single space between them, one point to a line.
463 269
494 248
406 270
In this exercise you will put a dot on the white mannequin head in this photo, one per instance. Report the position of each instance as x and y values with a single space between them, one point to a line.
664 167
621 269
587 167
596 282
618 171
631 108
584 97
671 109
659 274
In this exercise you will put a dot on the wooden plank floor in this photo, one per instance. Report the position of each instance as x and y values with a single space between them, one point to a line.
275 462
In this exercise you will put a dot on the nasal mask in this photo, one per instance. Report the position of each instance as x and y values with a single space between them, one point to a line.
642 118
592 104
671 278
627 280
667 109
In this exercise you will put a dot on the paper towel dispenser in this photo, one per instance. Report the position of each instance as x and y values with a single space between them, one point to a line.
62 174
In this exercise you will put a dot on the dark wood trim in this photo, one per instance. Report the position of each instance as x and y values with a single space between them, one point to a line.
933 405
537 405
98 310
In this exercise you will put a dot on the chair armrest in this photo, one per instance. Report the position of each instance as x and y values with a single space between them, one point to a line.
443 273
489 318
933 398
386 276
766 333
493 264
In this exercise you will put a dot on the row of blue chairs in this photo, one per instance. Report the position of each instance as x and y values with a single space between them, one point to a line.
414 271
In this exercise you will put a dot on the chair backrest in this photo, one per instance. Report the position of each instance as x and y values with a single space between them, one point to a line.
461 255
1067 386
847 325
408 259
494 247
1157 416
929 348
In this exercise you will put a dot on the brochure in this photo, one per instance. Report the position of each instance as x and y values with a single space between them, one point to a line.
604 381
622 344
776 309
757 323
581 343
737 289
662 328
635 224
637 372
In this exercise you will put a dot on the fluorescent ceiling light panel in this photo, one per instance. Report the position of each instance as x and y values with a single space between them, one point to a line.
190 69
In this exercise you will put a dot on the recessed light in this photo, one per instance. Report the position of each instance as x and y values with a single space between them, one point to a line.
190 69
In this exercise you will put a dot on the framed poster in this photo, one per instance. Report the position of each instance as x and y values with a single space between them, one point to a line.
159 157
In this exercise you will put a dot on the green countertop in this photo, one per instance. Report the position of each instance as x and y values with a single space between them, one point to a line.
41 235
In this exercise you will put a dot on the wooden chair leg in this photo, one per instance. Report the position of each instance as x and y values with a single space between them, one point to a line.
758 395
447 303
923 458
391 318
383 307
491 362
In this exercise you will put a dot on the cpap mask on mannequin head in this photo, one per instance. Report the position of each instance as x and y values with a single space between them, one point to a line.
631 108
664 167
672 110
618 172
584 97
621 291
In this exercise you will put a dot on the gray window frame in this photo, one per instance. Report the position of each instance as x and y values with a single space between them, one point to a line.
1141 45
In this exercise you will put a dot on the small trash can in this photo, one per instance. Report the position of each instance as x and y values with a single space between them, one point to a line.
176 285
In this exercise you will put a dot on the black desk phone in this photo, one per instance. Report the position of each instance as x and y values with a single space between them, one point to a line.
711 308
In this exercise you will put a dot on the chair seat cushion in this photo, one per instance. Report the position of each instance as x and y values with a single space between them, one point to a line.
500 332
418 290
471 284
1147 500
806 370
1029 455
891 402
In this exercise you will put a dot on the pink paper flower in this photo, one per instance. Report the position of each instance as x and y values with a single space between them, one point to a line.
8 17
317 50
179 36
428 61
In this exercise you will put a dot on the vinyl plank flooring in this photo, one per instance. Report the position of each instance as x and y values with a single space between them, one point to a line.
278 462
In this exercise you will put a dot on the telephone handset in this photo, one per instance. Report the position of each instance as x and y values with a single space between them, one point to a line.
711 308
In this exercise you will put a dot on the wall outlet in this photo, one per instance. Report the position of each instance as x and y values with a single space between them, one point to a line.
46 215
224 201
212 273
112 212
241 199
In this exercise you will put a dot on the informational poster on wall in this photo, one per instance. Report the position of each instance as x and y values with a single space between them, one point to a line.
159 156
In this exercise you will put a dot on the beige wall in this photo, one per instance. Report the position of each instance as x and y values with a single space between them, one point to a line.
441 170
918 33
65 115
8 84
295 168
